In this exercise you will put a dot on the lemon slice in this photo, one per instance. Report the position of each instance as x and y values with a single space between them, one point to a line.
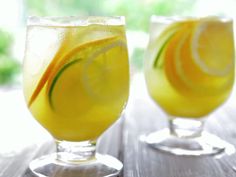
105 74
195 81
188 76
212 47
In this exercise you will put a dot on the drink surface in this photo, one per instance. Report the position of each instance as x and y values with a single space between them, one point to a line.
189 64
76 78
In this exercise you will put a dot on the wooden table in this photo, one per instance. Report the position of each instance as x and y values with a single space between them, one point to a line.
22 139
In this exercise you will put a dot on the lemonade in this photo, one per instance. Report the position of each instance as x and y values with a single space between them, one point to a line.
189 66
76 77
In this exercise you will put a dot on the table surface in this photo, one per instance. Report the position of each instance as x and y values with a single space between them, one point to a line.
22 139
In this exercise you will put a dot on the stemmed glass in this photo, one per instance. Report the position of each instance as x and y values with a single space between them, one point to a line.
189 73
76 84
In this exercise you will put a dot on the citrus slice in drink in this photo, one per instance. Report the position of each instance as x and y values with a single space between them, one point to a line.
171 60
68 41
58 61
105 72
212 47
66 37
162 41
66 94
81 51
194 78
86 71
195 69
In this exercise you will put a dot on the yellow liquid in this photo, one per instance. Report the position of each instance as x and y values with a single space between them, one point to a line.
175 103
175 98
88 95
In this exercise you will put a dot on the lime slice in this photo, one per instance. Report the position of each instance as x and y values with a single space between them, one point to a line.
66 94
162 41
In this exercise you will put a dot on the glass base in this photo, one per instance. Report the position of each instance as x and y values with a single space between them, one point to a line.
100 166
205 144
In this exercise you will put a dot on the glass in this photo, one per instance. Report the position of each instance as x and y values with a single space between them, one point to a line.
189 73
76 84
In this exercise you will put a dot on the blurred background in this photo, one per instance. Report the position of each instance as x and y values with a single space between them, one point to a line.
13 15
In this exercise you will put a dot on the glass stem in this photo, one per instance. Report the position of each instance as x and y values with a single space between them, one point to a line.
75 152
186 127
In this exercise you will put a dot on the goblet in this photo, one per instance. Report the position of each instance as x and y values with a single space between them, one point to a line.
189 73
76 84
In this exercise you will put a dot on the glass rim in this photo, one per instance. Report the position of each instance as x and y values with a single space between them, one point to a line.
179 18
65 21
